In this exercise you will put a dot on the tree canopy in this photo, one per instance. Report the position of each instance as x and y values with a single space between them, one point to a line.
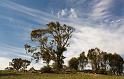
19 63
73 63
53 41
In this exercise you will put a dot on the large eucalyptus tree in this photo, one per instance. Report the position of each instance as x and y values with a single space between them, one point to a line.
53 41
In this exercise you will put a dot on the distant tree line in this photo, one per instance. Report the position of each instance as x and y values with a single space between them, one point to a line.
101 62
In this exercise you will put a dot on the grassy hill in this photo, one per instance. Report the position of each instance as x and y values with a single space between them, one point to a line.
14 75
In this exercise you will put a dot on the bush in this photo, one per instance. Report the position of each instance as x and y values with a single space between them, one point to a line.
101 71
87 71
46 69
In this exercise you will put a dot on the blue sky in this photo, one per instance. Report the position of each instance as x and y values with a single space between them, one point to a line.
98 23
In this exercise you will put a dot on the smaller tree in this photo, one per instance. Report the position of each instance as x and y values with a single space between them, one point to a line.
73 63
25 64
9 68
94 56
46 69
19 63
83 60
115 63
32 70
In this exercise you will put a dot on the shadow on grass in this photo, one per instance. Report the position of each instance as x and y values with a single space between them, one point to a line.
8 74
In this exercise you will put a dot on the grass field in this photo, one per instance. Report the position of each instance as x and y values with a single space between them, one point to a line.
14 75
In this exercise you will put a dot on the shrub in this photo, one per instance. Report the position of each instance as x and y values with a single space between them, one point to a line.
46 69
101 71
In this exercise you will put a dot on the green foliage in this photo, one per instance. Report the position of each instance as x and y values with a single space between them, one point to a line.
94 56
73 63
19 63
102 71
100 60
46 69
115 62
83 60
9 68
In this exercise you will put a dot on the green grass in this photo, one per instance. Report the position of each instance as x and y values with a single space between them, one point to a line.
13 75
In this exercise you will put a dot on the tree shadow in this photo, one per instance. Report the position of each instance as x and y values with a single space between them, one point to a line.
8 74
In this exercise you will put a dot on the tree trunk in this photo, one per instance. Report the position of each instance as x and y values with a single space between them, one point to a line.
59 63
59 59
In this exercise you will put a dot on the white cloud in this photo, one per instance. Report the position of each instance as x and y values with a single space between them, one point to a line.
62 13
37 65
4 62
73 14
65 13
87 37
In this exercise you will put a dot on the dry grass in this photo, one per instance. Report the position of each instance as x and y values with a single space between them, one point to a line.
13 75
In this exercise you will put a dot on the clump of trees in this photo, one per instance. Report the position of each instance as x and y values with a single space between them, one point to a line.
101 62
19 64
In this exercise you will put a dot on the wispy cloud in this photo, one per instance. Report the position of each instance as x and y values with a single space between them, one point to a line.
87 36
100 10
36 15
11 51
17 23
